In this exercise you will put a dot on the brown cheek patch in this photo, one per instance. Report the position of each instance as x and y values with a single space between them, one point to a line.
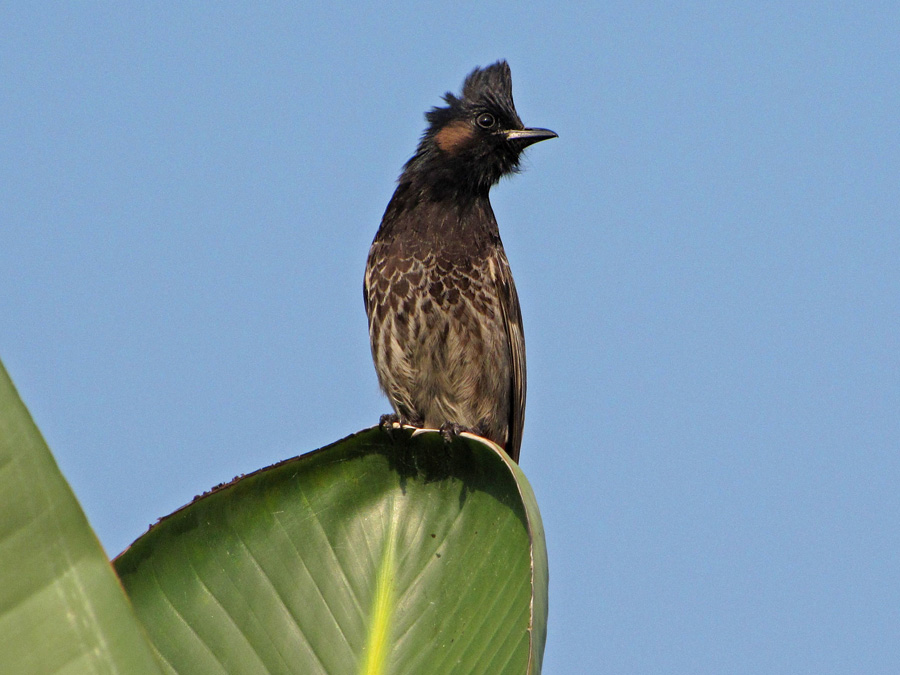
453 136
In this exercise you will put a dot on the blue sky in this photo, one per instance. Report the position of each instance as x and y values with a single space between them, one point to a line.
707 260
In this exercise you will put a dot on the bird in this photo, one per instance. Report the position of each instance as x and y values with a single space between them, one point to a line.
445 325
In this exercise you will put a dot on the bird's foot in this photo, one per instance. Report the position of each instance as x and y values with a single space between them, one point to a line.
389 423
393 422
389 420
452 430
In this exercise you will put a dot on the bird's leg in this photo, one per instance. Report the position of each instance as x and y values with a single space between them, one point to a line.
387 422
451 430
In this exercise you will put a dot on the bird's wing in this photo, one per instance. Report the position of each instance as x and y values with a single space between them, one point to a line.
370 295
512 322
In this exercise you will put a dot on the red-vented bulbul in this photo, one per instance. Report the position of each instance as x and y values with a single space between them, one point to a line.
444 318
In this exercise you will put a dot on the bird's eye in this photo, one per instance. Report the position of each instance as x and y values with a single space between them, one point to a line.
486 120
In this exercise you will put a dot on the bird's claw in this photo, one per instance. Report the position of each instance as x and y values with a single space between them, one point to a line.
386 423
452 430
393 422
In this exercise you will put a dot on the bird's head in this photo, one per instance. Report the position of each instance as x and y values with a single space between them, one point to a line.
475 139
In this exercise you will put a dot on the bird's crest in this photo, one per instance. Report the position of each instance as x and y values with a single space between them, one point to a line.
493 83
484 87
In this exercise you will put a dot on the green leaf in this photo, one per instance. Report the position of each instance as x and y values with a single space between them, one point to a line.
62 609
374 555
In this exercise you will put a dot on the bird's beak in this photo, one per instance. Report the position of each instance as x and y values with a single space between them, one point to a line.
525 137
